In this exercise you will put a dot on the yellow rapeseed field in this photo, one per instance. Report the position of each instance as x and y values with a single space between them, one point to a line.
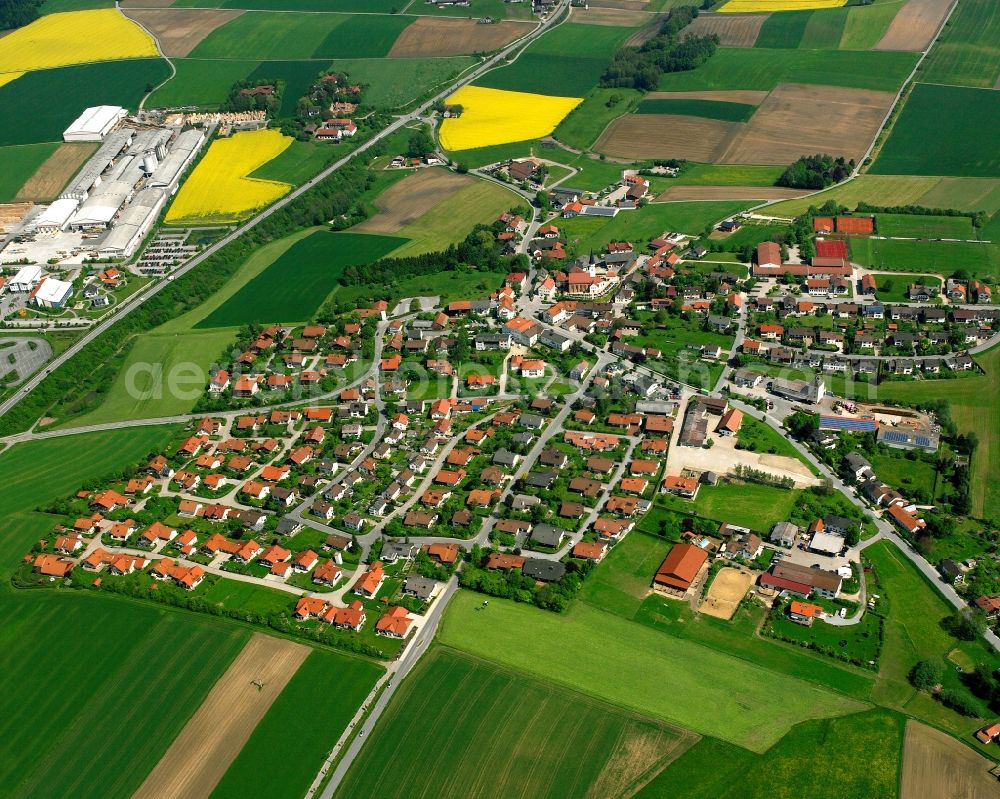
748 6
219 190
495 116
75 37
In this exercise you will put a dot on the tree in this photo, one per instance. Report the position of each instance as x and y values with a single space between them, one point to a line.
966 624
959 701
927 673
419 144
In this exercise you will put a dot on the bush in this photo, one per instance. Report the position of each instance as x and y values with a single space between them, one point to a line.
927 673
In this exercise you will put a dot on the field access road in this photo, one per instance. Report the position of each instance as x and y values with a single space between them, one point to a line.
139 298
397 673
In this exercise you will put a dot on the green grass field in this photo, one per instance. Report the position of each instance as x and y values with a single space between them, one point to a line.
710 109
894 288
20 162
943 130
460 727
56 6
567 62
902 472
873 189
395 82
299 162
565 649
75 725
763 69
925 227
923 256
332 686
783 30
865 25
913 632
712 769
646 223
291 35
968 53
67 91
163 375
726 175
758 507
825 29
201 82
297 282
451 220
967 194
599 108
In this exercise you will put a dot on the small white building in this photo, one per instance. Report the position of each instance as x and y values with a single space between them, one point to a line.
26 279
94 123
52 293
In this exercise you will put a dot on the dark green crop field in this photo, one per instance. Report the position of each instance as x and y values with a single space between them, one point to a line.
784 31
710 109
48 100
293 287
944 130
332 686
968 52
462 727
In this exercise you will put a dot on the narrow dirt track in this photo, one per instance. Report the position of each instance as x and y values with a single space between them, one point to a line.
215 734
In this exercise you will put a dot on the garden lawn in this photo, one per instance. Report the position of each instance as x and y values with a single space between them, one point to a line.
333 687
163 375
20 162
292 35
294 286
756 436
821 759
67 91
647 223
894 288
451 220
763 69
944 130
925 227
652 671
942 257
463 727
907 475
75 726
968 51
710 109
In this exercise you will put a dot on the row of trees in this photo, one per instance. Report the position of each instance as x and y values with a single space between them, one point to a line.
641 67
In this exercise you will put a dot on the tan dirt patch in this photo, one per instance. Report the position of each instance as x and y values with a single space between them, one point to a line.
642 136
616 16
913 28
798 120
637 757
681 193
409 199
628 5
180 30
53 175
936 766
726 592
748 96
733 30
434 36
215 734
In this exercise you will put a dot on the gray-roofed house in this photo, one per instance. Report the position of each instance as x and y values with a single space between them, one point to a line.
546 571
548 535
418 586
784 534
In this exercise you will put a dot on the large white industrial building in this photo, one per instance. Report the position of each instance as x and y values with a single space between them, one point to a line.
115 198
26 279
94 123
52 293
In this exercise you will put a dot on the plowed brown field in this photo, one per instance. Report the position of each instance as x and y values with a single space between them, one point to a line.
180 30
913 28
936 766
641 136
733 30
439 36
53 175
409 199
